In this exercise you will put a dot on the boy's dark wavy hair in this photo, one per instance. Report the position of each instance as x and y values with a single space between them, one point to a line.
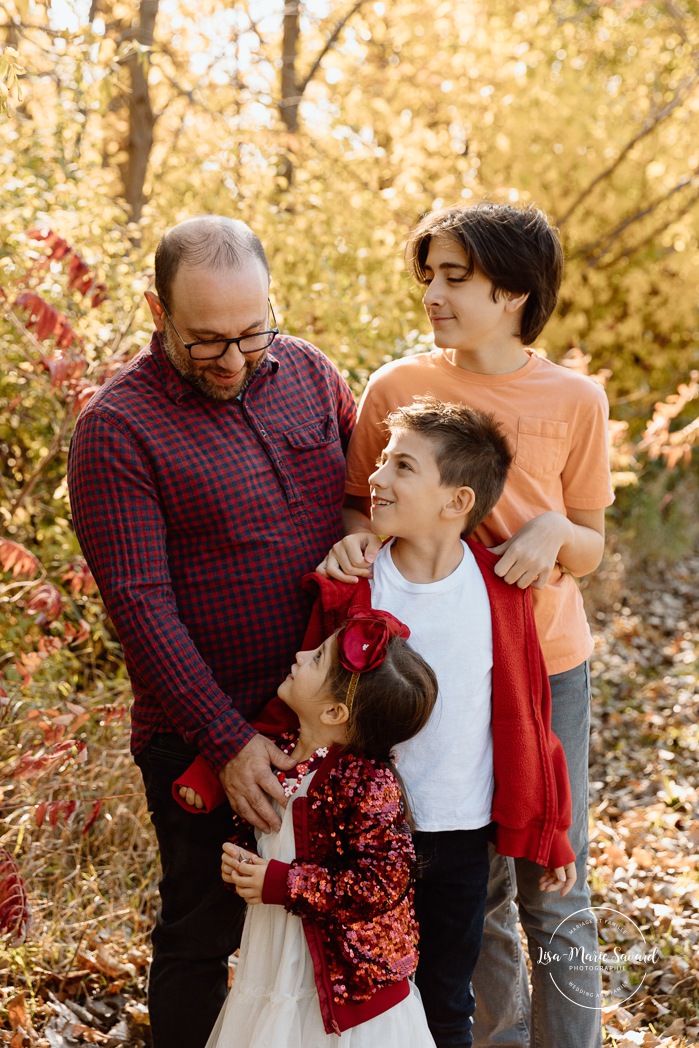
517 248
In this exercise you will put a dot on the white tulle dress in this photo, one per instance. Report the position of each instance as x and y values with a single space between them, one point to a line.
273 1002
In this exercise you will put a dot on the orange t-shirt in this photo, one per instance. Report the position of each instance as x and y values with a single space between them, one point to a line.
556 423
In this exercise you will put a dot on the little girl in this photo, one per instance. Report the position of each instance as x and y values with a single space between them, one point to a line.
326 959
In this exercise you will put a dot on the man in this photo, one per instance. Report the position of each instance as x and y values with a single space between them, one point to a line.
206 478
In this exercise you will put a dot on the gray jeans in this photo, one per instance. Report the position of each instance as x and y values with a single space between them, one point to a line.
506 1014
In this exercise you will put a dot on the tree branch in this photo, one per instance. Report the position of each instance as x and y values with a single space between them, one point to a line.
595 250
329 44
685 89
654 233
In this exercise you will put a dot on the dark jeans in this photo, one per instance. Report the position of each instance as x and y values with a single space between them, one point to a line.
450 891
200 920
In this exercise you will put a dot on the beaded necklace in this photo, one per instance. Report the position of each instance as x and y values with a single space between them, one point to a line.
286 745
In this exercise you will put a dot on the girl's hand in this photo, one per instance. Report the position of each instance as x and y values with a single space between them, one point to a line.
248 875
562 877
191 797
231 859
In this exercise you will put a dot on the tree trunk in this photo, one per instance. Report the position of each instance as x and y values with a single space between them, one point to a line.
290 96
141 117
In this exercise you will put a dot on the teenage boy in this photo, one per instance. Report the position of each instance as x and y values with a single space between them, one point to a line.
491 275
487 754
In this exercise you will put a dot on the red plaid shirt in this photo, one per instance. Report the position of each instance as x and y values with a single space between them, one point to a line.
198 518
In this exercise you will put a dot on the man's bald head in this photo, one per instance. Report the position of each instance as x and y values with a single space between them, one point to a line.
210 242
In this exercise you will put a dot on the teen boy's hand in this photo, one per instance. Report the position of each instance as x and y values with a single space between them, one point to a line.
576 541
562 877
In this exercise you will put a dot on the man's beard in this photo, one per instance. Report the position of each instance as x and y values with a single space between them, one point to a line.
198 377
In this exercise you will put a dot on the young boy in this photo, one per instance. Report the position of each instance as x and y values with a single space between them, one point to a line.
492 275
487 755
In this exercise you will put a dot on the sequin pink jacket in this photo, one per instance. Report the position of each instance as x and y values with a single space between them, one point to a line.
351 883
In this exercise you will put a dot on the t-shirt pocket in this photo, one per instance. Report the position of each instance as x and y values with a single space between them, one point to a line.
541 445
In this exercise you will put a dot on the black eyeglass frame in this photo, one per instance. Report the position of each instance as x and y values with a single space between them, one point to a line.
272 332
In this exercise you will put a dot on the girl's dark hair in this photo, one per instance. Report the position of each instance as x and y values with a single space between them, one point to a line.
516 248
391 704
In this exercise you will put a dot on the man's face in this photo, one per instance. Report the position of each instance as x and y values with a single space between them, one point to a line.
206 305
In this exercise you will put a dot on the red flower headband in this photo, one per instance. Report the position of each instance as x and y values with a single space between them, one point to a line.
363 641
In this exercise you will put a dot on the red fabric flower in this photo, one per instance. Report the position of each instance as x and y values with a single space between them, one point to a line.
363 639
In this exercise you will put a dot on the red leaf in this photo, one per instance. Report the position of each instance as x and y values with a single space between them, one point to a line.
49 645
57 247
31 765
77 636
27 664
45 602
64 369
40 813
93 816
44 319
83 396
79 578
18 560
79 278
14 906
60 808
98 295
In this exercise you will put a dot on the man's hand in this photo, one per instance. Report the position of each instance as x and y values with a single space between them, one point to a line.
529 556
249 780
351 557
561 878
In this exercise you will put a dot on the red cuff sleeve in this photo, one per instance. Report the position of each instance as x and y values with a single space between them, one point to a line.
201 778
274 889
561 852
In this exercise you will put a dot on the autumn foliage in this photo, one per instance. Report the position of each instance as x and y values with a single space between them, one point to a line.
330 131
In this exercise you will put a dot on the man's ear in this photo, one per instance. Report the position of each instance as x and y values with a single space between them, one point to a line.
335 715
461 502
156 310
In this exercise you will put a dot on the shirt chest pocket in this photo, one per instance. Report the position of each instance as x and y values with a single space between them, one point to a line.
316 461
317 433
541 445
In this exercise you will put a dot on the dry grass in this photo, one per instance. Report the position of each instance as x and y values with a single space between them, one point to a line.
93 893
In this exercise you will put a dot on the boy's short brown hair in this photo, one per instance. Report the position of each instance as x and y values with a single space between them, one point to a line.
469 447
516 248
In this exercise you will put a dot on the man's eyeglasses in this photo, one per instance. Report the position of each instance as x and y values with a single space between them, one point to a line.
213 349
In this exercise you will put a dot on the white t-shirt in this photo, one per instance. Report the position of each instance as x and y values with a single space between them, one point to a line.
448 768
